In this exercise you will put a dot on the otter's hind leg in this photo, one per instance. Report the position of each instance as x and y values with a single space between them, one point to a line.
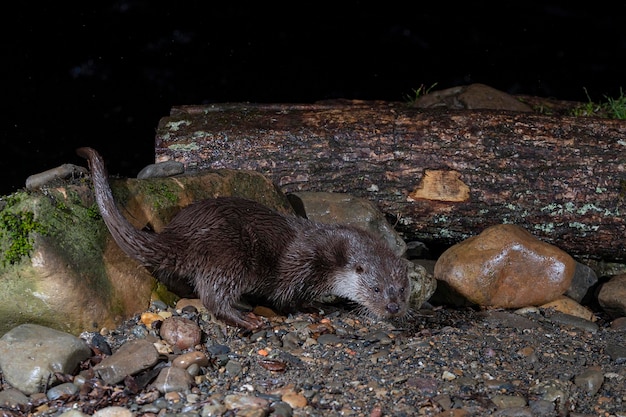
220 300
230 315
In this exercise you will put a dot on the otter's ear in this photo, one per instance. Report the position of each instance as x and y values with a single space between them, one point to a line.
333 254
340 252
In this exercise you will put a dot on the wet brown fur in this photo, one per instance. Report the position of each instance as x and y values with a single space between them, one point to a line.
224 248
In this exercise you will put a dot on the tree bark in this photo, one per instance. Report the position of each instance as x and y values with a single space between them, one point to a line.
441 176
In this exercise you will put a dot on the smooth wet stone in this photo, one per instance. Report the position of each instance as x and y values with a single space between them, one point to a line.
12 398
30 355
113 411
612 296
58 391
173 379
573 321
161 170
566 305
132 357
185 360
584 279
506 266
180 332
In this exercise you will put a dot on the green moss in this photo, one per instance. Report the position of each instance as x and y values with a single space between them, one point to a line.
70 225
16 227
163 194
164 294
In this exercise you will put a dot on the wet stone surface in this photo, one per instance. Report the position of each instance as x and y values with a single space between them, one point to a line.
460 362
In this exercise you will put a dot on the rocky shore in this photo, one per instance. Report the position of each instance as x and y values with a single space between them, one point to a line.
441 362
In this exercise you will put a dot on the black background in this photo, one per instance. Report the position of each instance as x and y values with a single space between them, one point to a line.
103 74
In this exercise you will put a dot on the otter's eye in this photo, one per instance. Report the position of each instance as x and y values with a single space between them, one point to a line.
359 269
376 289
401 290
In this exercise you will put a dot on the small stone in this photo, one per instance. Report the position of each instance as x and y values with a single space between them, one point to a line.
12 398
132 357
218 349
573 321
187 359
113 412
237 402
60 390
506 266
568 306
617 352
281 409
73 413
161 170
590 380
148 318
448 376
508 401
619 324
294 399
329 339
172 380
612 296
180 332
584 278
233 368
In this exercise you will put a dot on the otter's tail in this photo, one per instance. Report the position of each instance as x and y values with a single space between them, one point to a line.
131 240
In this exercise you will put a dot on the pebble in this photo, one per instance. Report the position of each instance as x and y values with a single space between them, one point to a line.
566 305
619 324
12 398
590 380
612 296
60 390
239 402
180 332
131 358
617 352
148 318
113 412
508 401
294 399
190 358
161 170
573 321
172 379
233 368
328 339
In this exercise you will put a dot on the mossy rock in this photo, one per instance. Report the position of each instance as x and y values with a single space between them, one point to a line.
59 266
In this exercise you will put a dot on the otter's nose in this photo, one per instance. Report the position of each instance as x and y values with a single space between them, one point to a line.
393 308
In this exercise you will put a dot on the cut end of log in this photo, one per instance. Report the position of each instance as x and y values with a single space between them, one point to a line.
441 186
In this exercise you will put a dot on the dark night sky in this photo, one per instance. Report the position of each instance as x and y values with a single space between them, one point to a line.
102 75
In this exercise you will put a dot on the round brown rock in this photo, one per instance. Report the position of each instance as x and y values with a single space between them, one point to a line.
506 266
180 332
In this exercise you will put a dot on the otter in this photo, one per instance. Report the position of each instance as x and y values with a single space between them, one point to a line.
225 248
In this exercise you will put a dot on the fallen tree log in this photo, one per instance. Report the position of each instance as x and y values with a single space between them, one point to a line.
441 176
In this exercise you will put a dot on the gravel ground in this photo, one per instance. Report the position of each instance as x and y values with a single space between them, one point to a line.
443 362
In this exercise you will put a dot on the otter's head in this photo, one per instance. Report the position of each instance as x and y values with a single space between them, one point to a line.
372 276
